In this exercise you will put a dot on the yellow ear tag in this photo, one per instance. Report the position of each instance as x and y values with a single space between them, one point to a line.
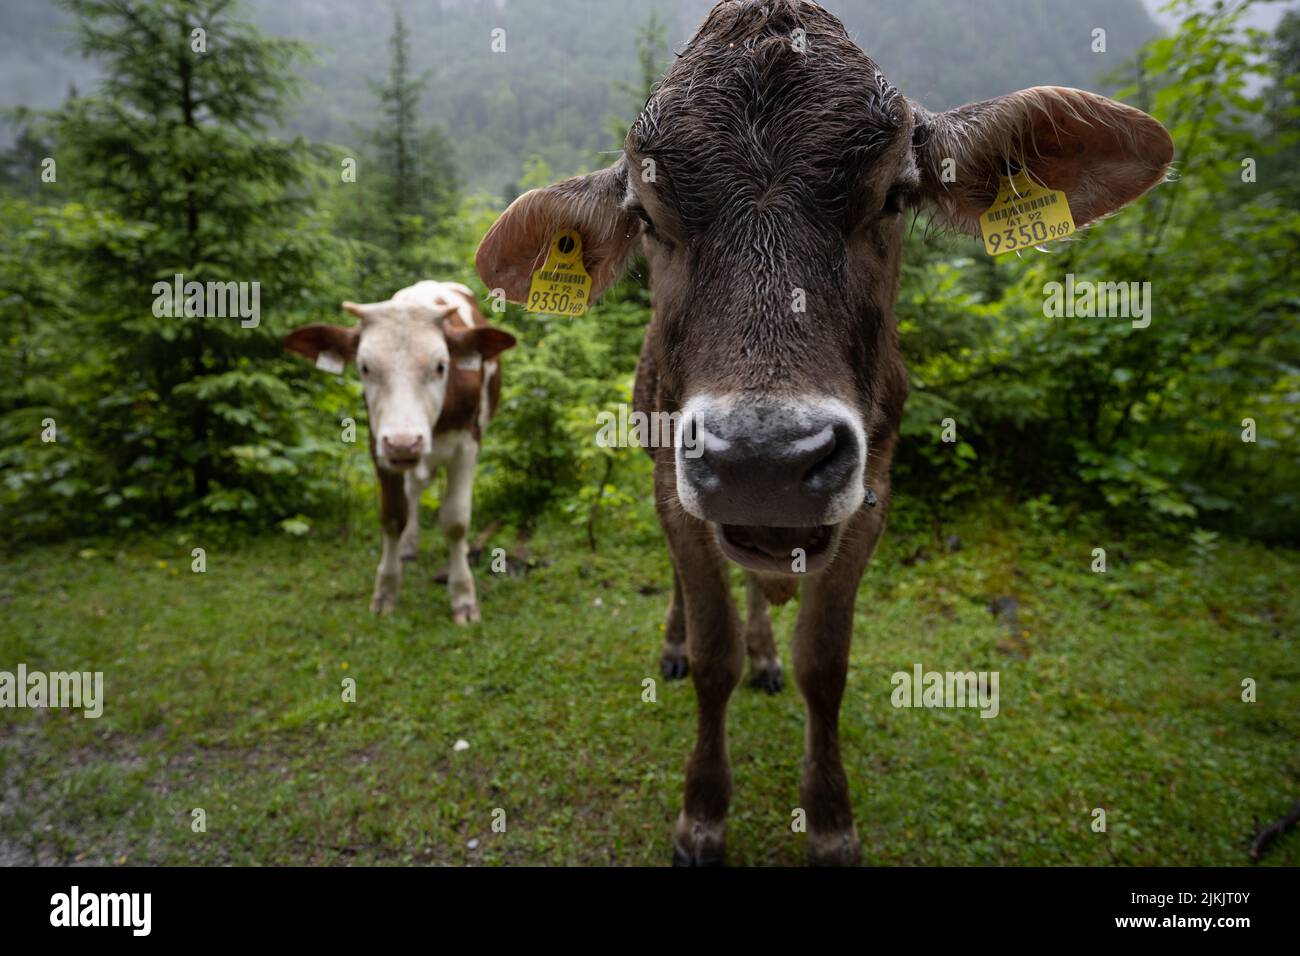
1025 214
561 286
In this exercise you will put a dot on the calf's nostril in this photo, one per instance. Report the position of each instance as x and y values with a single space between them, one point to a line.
833 462
700 472
814 451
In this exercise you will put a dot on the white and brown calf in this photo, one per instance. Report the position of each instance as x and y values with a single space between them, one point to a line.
432 379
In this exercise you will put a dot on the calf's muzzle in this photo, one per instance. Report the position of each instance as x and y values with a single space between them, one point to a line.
771 464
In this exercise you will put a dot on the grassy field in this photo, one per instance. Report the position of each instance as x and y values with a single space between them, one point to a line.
1119 691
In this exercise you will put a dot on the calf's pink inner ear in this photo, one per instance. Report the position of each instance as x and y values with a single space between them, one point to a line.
311 340
516 245
1101 153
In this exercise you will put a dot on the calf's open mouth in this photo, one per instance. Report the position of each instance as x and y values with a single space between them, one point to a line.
778 550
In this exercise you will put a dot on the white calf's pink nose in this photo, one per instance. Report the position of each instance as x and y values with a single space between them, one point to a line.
403 445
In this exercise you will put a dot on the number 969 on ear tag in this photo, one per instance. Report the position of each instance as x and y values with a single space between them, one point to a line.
561 286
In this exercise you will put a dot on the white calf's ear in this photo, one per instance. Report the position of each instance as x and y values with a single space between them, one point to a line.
1100 153
516 245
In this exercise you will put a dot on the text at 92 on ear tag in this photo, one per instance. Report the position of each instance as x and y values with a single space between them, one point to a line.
1024 214
561 286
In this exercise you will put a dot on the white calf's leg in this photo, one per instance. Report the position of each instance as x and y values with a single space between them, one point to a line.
417 479
388 578
454 518
392 518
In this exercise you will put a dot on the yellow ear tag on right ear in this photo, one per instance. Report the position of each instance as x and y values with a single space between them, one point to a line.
1024 214
561 286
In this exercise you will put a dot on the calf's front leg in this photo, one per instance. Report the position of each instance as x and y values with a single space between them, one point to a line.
417 479
454 517
821 662
393 513
716 657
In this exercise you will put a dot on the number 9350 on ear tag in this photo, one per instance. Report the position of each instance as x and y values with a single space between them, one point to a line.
561 286
1024 214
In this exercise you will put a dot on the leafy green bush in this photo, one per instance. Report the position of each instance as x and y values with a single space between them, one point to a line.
1148 422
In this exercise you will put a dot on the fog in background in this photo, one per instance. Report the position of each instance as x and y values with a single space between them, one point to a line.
556 89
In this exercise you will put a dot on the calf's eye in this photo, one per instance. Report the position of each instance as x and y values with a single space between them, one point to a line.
900 197
894 202
646 222
365 369
442 369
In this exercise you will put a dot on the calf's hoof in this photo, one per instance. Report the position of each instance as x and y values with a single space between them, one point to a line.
673 664
696 843
382 603
842 848
681 859
765 674
465 613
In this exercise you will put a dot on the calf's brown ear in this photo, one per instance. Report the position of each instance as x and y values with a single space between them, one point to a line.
516 245
487 340
311 340
1100 153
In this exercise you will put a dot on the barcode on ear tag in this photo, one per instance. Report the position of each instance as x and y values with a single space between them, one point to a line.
471 363
1024 214
330 362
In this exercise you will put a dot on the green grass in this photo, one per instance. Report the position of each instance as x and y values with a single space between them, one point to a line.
223 691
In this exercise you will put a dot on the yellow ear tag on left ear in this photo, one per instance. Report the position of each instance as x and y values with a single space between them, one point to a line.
1024 214
561 286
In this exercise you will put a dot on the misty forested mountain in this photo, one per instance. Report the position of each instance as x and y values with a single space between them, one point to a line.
553 91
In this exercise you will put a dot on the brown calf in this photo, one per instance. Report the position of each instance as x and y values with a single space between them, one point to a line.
771 168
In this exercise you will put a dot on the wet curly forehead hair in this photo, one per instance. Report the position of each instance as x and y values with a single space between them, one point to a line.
745 118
